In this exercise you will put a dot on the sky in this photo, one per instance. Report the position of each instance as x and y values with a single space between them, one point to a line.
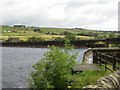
88 14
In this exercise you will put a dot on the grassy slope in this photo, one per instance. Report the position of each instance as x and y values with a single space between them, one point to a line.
45 30
25 32
88 77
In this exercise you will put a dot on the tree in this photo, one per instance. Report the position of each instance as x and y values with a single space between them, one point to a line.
111 35
53 70
70 37
30 39
38 31
58 39
66 32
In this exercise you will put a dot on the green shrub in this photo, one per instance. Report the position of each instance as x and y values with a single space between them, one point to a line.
35 39
70 36
112 36
115 45
38 30
53 70
58 39
65 33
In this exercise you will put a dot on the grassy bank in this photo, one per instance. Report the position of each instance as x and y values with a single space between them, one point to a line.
88 77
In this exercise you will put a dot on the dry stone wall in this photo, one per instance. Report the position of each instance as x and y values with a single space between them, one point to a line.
110 81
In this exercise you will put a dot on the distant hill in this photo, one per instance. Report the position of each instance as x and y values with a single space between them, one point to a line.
25 32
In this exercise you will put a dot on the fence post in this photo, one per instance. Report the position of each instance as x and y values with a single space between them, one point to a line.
105 63
94 56
114 63
99 54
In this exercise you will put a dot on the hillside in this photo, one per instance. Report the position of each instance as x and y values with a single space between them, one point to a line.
49 33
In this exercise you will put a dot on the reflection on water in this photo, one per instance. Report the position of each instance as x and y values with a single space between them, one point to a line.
17 64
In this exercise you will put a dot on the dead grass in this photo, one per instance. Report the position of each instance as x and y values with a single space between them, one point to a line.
46 37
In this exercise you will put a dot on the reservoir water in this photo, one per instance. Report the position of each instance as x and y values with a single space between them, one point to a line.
17 64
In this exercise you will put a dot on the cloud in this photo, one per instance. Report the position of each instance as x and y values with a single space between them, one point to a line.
93 14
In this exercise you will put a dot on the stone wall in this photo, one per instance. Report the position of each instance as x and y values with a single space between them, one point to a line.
110 81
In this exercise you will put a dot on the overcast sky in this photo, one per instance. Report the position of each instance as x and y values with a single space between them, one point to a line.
91 14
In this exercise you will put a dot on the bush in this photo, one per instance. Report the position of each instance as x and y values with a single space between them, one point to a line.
65 33
35 39
53 70
58 39
116 45
112 36
70 37
38 30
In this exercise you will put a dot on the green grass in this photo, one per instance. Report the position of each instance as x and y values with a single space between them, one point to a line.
111 66
29 31
45 29
13 34
6 28
55 30
88 77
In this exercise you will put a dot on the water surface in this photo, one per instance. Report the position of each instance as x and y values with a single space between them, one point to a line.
17 64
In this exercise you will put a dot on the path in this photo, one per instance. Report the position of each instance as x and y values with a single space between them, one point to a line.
85 67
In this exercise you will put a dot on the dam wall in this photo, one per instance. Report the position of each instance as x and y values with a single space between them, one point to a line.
79 44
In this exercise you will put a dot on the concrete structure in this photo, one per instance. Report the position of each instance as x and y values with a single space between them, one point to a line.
80 68
78 44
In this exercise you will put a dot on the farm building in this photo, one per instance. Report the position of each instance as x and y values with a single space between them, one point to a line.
12 39
19 25
7 31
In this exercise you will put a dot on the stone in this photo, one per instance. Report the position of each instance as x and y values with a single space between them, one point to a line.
110 81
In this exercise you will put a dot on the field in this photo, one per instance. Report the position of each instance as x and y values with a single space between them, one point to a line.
49 33
46 37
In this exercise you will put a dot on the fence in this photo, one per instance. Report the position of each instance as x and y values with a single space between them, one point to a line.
104 59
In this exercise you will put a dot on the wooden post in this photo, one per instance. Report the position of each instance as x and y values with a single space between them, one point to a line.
94 56
114 63
100 57
107 43
105 63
